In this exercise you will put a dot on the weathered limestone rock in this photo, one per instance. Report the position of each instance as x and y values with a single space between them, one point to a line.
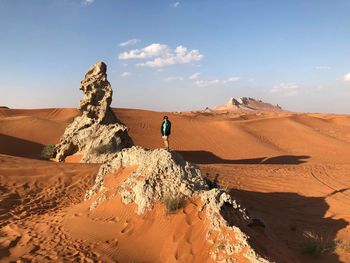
161 174
97 133
225 212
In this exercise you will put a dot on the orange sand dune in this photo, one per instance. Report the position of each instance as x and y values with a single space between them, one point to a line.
40 126
291 170
50 114
270 135
164 238
33 194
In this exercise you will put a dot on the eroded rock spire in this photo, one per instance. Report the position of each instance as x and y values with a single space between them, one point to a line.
97 132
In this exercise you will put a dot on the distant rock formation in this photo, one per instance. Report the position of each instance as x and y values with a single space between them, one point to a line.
97 132
4 107
247 104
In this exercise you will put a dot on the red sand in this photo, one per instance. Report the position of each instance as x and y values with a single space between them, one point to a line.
290 170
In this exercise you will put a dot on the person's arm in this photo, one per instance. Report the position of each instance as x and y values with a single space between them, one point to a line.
161 129
169 127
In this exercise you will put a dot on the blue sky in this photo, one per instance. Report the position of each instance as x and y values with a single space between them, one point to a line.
177 55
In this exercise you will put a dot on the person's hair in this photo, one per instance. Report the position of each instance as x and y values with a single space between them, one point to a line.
165 117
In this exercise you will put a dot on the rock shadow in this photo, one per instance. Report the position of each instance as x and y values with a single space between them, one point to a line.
288 218
206 157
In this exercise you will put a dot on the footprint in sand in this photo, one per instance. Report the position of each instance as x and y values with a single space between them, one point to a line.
188 235
178 236
77 215
128 228
188 219
114 242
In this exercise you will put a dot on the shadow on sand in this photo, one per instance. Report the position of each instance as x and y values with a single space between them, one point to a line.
286 218
205 157
290 216
19 147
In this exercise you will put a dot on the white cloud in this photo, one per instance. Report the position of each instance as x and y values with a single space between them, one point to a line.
194 76
180 56
175 5
129 42
232 79
153 50
322 67
163 55
206 83
286 89
125 74
88 2
173 78
347 77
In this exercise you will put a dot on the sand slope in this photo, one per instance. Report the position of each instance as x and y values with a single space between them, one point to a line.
25 132
291 170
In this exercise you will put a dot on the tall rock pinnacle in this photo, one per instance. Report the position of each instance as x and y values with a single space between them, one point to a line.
97 129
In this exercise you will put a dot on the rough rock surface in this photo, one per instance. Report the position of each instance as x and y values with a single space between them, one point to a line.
161 174
97 132
224 212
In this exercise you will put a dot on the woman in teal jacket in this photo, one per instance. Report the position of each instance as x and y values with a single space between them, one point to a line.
165 130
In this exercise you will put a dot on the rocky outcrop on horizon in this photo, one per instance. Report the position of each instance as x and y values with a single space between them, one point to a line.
97 132
247 104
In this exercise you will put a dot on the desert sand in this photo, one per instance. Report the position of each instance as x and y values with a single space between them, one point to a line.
291 170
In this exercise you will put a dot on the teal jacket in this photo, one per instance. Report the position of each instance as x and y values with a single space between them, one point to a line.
165 128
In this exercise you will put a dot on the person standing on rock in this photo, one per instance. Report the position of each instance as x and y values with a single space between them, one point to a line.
165 130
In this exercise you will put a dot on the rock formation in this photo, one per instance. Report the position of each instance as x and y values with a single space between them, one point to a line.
247 104
97 132
163 174
160 174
